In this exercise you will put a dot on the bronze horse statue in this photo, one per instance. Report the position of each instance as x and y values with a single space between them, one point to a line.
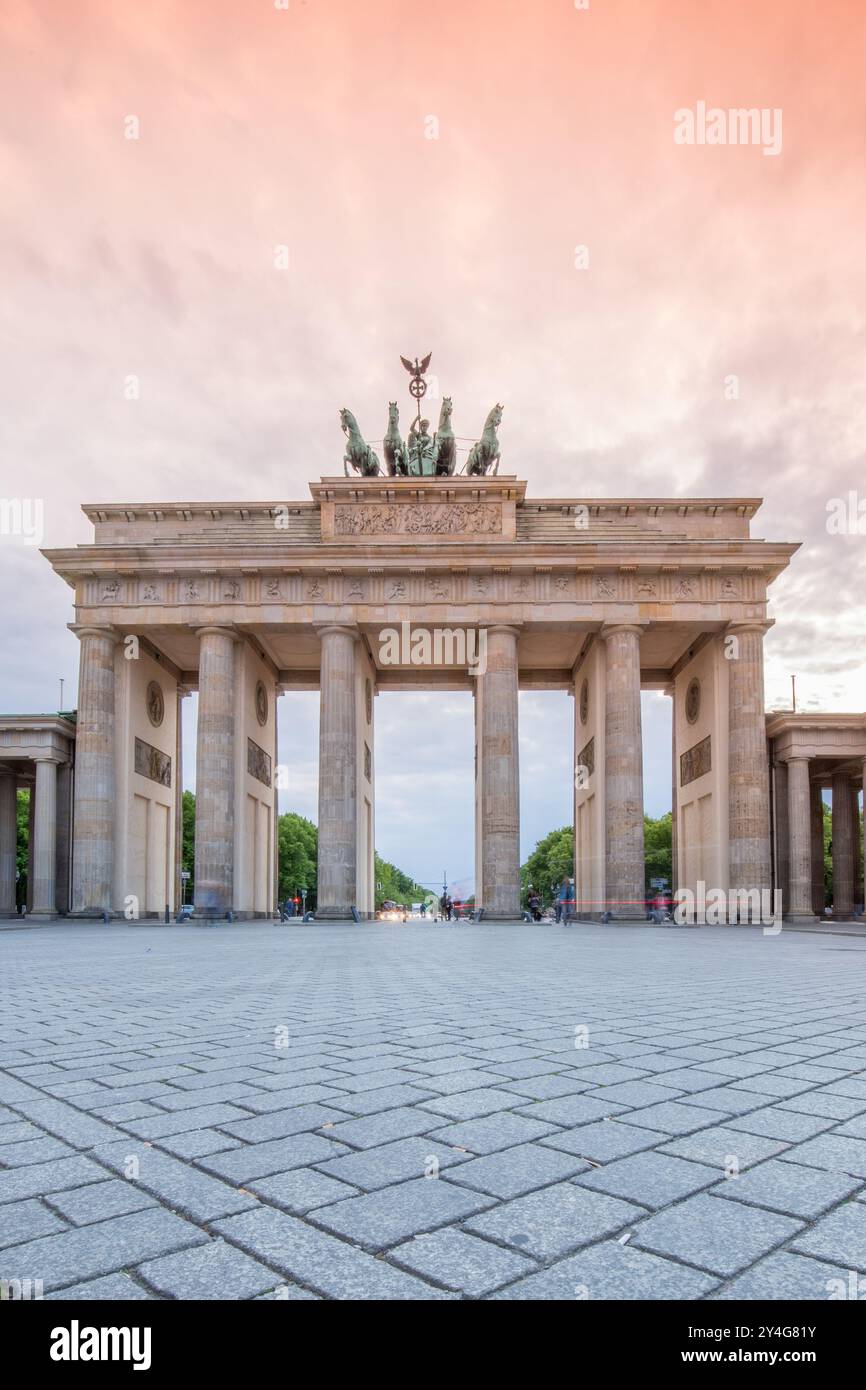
484 456
393 445
444 442
358 452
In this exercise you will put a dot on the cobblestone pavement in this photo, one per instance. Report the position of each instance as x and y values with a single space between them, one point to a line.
265 1111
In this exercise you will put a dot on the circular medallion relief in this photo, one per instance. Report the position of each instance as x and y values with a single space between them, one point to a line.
584 702
368 700
693 700
261 703
155 701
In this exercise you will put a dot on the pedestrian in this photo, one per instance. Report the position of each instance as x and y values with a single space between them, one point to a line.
449 906
535 905
562 899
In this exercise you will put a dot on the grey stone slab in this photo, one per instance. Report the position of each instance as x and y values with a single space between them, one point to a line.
379 1219
281 1123
371 1130
302 1189
99 1201
833 1151
468 1105
852 1129
103 1248
722 1237
674 1117
276 1156
776 1123
31 1151
555 1220
212 1271
197 1143
390 1163
822 1103
451 1083
326 1264
786 1275
179 1121
177 1183
26 1220
492 1132
789 1187
462 1261
384 1098
637 1093
111 1288
721 1145
512 1172
546 1087
42 1178
612 1271
606 1139
652 1179
571 1110
839 1237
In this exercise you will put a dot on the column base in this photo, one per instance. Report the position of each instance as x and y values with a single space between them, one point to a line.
333 914
800 917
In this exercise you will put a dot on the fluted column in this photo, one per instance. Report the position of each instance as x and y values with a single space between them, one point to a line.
863 837
8 843
93 820
178 799
816 801
843 849
500 778
856 847
748 769
215 773
338 775
623 774
782 832
45 839
799 904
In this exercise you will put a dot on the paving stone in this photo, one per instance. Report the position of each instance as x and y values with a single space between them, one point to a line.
31 1151
674 1117
277 1156
833 1151
326 1264
555 1220
781 1124
839 1237
197 1143
180 1121
281 1123
612 1271
718 1145
637 1093
493 1132
606 1139
652 1179
99 1201
212 1271
822 1103
390 1163
112 1288
786 1275
723 1237
789 1188
461 1261
302 1189
511 1172
571 1110
23 1221
179 1184
545 1087
468 1105
379 1219
107 1246
42 1178
372 1130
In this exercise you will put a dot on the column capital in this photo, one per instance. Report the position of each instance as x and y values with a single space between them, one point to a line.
608 630
760 625
348 629
94 630
217 630
48 756
513 629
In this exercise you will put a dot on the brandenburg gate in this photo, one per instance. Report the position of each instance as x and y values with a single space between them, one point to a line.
246 601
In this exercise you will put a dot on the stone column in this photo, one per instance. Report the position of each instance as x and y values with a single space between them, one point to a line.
178 800
338 775
500 778
64 835
8 843
623 775
798 904
856 846
843 849
816 800
781 839
863 837
45 839
748 767
93 817
215 773
675 787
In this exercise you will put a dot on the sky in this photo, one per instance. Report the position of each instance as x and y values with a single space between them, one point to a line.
252 210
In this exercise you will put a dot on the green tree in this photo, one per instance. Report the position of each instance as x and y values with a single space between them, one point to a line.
297 848
658 856
395 886
22 841
188 850
548 864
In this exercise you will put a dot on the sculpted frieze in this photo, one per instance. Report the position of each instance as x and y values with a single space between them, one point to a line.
419 519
